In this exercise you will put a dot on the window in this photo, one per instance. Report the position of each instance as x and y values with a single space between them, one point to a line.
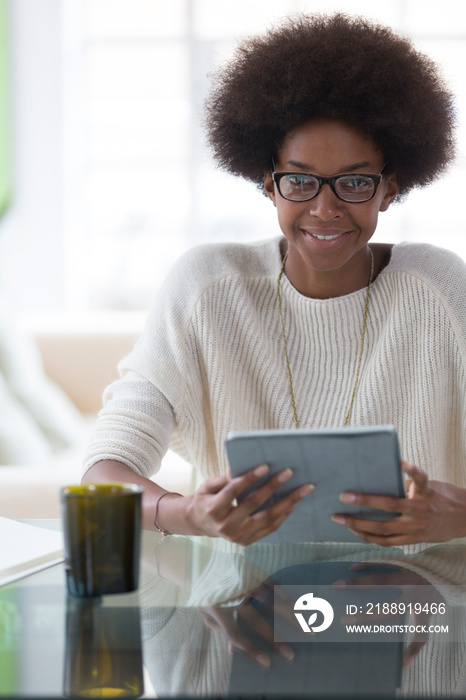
138 184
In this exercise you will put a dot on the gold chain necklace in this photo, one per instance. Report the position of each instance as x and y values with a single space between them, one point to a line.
366 309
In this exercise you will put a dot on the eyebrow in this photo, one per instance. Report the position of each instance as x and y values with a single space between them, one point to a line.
309 168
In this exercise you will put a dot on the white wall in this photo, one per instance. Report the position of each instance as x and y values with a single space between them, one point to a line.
37 154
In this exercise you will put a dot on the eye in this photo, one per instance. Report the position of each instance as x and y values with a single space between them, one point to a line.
298 179
355 183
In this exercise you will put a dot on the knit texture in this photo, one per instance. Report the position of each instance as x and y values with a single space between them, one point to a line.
211 360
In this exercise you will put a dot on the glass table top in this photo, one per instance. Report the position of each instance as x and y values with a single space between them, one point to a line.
214 619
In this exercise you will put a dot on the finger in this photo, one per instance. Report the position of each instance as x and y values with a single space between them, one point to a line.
244 644
250 524
238 484
272 595
220 619
230 489
262 594
259 624
262 494
210 620
266 521
393 526
396 540
405 529
388 503
212 485
242 524
278 601
419 484
418 481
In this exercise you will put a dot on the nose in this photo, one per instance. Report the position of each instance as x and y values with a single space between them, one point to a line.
326 205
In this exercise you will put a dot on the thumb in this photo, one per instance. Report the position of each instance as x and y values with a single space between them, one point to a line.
418 483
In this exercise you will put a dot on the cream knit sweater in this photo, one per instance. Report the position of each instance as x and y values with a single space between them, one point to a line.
211 360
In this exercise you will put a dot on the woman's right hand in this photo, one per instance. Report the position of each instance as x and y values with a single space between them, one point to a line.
213 509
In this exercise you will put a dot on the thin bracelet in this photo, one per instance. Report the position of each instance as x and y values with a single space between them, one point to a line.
167 493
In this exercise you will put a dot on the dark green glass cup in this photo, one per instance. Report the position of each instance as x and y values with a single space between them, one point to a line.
102 538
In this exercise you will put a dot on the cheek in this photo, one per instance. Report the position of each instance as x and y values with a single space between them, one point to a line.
287 220
373 219
368 220
289 213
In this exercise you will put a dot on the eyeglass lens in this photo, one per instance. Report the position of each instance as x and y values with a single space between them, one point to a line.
351 188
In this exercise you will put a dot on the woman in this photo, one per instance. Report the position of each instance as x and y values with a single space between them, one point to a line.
334 118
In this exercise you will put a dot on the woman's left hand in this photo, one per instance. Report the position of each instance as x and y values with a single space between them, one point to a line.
432 511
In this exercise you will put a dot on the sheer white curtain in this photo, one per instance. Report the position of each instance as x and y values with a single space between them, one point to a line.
138 186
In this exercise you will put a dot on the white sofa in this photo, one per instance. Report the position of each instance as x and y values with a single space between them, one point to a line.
82 361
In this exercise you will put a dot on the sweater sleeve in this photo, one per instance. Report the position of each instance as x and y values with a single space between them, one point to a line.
145 406
134 427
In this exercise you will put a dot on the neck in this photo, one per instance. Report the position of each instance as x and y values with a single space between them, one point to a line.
331 283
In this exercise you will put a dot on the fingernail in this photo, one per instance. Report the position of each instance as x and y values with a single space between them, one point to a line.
339 519
286 652
347 497
284 475
264 660
262 470
306 490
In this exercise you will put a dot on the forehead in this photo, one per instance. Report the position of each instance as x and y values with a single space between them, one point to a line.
329 146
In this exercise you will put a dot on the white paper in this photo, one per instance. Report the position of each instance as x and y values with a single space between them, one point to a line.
26 548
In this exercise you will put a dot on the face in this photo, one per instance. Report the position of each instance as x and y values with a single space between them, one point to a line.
327 237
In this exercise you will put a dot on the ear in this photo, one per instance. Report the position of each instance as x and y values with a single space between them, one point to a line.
269 186
391 190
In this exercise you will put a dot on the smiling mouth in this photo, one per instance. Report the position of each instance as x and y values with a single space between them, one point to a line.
325 236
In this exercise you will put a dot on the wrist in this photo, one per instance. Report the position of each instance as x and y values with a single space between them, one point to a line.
162 515
189 517
175 515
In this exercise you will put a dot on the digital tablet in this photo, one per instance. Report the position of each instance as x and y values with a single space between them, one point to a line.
364 459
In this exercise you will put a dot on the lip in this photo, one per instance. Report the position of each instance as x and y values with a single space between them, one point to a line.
325 238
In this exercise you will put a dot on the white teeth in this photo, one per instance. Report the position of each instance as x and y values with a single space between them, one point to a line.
326 238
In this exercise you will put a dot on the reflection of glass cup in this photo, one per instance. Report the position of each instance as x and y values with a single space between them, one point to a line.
103 657
102 534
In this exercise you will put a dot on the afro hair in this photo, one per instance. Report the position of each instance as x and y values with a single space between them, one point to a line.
336 67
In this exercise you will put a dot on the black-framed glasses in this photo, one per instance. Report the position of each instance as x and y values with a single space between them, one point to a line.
301 187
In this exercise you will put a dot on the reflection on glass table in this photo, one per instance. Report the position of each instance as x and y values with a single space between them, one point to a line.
211 618
103 652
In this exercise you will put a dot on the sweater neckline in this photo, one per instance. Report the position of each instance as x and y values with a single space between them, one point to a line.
290 290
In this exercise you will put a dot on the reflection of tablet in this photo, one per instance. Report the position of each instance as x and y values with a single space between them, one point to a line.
348 459
366 669
348 670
